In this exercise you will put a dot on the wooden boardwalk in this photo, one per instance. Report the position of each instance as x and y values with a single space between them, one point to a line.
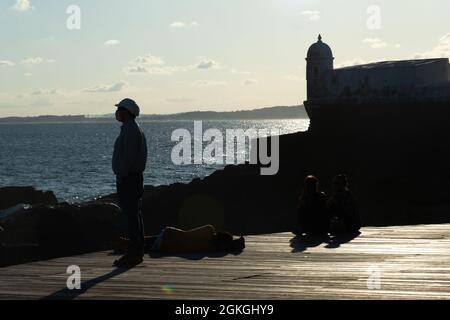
411 262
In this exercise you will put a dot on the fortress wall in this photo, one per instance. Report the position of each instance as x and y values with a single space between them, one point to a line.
391 77
377 79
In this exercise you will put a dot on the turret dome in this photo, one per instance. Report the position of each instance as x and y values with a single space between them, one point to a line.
320 50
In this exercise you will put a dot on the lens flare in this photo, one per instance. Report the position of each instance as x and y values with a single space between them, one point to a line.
167 289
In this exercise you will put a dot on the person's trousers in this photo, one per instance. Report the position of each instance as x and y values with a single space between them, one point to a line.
129 194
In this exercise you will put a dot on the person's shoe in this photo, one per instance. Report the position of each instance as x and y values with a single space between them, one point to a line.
128 261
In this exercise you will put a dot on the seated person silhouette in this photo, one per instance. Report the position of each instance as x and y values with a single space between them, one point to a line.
344 214
313 218
204 239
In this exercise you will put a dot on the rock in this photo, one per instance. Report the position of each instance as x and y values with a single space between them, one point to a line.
10 255
10 213
11 196
2 249
44 232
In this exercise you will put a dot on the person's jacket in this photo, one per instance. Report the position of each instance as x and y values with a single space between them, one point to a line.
343 207
130 150
313 213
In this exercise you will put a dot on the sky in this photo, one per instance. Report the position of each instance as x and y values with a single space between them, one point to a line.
83 56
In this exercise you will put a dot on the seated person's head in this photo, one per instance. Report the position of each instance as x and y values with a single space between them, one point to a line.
223 241
311 184
340 183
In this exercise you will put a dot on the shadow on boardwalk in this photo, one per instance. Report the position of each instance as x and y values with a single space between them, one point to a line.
67 294
302 243
194 256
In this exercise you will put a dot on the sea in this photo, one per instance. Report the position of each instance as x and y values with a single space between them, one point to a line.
74 159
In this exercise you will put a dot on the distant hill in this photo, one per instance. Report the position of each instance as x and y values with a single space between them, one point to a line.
295 112
281 112
44 119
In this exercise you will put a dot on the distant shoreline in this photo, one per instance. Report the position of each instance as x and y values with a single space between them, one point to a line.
271 113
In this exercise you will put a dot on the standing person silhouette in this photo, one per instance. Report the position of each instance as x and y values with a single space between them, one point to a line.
128 164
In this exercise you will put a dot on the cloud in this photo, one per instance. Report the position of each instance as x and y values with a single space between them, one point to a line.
178 25
164 70
43 92
136 69
115 87
375 43
154 65
150 64
181 24
207 64
442 50
22 5
209 83
36 60
148 60
28 74
249 82
313 15
6 63
111 43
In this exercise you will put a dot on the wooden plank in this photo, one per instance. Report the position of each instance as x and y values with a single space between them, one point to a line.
412 262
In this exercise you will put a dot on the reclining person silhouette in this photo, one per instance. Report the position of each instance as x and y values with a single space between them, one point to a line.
344 214
313 218
204 239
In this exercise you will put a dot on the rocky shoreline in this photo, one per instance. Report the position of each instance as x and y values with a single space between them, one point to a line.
37 227
397 179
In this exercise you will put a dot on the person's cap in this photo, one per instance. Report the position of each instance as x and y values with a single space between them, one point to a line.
130 105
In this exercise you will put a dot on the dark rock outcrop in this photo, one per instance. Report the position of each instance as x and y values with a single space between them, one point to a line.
11 196
43 231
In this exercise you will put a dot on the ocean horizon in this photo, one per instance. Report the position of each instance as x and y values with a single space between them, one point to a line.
73 159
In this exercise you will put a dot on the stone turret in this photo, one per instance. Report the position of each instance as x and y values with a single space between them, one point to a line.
319 69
